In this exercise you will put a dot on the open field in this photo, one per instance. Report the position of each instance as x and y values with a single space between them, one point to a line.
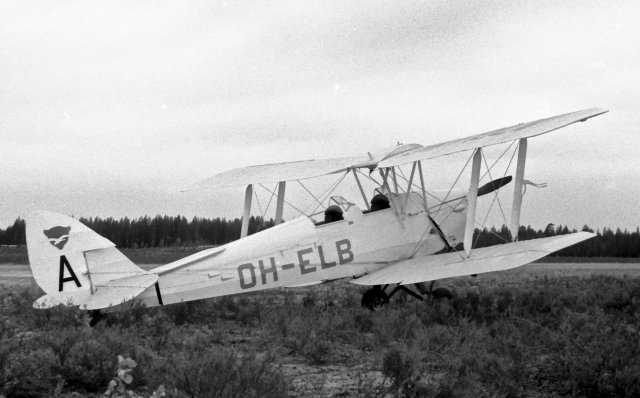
540 330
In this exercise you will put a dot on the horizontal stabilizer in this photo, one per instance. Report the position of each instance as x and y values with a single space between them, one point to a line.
486 259
47 301
107 295
118 291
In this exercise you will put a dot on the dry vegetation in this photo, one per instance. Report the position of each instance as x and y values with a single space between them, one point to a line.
509 334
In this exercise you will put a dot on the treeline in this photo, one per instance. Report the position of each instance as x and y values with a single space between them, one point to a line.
606 243
162 231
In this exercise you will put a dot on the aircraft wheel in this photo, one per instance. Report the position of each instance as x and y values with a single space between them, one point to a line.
374 298
94 317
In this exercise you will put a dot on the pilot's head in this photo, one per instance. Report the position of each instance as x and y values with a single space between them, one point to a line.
379 202
333 213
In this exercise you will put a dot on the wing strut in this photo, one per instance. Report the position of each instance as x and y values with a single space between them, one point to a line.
385 184
424 189
248 195
517 189
280 204
406 200
395 180
472 197
366 202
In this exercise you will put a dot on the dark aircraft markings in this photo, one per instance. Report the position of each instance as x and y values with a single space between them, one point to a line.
64 265
247 271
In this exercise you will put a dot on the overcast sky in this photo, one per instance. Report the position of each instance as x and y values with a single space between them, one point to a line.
109 108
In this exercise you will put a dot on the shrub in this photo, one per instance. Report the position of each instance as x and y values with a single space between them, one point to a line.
317 349
89 363
398 366
220 372
29 372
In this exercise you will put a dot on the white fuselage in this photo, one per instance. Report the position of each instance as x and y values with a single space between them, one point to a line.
298 252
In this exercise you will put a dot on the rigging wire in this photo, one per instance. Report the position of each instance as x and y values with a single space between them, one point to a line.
326 196
284 201
308 191
263 214
329 190
496 192
454 182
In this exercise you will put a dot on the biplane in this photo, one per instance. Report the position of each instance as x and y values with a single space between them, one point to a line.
403 236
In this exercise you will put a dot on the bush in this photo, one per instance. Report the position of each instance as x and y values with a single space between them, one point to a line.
29 372
220 372
317 349
399 366
88 364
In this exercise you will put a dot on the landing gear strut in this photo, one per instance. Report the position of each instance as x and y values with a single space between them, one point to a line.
376 297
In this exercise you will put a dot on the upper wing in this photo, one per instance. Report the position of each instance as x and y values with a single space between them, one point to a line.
487 259
506 134
288 171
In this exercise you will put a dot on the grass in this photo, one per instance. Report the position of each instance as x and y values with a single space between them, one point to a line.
13 255
502 335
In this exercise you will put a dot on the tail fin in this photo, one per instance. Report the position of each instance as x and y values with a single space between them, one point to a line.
76 266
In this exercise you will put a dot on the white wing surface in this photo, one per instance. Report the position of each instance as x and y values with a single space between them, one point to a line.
506 134
487 259
288 171
402 154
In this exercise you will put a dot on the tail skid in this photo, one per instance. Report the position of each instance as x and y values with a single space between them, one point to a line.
77 267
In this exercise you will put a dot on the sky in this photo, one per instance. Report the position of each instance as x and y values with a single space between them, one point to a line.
111 108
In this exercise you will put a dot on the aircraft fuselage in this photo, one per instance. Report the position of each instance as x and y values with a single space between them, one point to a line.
298 252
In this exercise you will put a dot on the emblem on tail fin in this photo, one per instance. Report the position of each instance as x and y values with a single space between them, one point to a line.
58 236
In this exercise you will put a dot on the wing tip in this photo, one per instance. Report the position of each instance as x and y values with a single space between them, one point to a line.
592 112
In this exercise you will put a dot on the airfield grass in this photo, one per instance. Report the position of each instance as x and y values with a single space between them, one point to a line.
503 334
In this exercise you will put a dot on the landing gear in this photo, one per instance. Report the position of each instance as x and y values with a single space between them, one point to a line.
94 317
374 298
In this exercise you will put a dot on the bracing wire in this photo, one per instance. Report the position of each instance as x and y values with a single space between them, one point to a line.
496 193
308 191
285 201
326 196
455 182
325 193
498 159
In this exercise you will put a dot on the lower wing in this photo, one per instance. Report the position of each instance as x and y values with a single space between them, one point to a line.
487 259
